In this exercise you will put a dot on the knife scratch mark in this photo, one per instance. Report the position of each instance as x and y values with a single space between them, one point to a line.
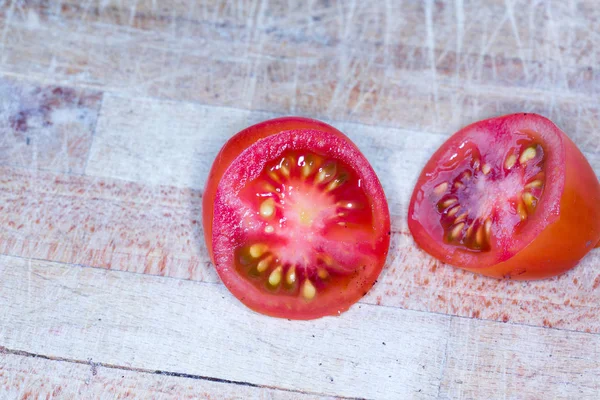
431 49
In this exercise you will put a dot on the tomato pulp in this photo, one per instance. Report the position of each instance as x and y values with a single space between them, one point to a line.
508 197
295 219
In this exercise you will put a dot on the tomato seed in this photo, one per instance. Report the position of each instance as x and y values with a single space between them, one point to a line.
453 210
441 188
510 161
486 169
527 155
327 260
479 236
462 217
457 230
275 276
530 201
308 165
337 182
267 208
488 228
535 184
285 166
290 276
268 187
470 229
326 173
273 175
308 290
322 273
448 202
258 249
263 264
521 211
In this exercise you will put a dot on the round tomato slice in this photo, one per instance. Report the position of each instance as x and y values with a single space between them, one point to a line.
295 219
508 197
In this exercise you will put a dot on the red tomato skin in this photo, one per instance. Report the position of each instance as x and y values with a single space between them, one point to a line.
569 233
328 304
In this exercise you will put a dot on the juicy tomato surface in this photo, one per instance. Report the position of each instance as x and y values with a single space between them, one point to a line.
508 197
295 219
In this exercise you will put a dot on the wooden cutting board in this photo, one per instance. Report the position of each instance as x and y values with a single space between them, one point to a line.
111 113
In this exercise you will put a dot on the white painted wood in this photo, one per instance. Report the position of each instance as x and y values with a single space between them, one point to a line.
494 360
162 142
154 323
144 322
408 66
30 377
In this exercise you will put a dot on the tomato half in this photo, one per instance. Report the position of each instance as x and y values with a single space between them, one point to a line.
508 197
295 219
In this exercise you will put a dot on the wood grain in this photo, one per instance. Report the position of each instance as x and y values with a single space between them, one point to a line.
184 139
153 323
148 323
412 69
31 377
103 223
519 363
110 114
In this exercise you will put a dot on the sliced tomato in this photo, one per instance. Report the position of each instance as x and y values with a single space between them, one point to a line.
295 219
508 197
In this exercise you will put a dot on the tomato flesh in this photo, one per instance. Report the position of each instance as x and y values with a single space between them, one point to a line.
492 200
298 220
309 209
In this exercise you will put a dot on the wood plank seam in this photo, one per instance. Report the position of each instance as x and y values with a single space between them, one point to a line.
43 169
519 93
272 114
126 95
107 200
374 303
149 323
360 302
95 365
138 273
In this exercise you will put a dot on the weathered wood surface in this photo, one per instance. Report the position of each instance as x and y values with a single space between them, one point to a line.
110 115
151 223
25 377
149 323
154 323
